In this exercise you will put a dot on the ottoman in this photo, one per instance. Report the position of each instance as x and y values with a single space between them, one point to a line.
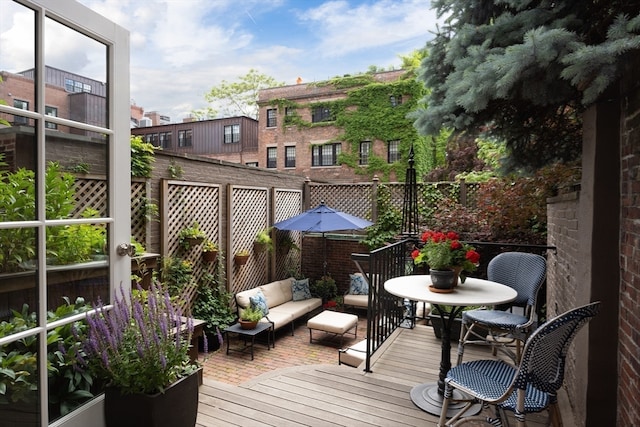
333 322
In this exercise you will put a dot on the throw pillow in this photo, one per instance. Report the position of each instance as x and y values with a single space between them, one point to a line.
300 290
359 285
259 301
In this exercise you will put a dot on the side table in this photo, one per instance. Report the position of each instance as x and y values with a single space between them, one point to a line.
246 333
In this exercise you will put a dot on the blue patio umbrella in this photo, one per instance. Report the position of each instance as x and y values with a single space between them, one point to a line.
322 219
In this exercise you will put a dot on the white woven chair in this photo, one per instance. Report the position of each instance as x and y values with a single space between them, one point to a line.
530 387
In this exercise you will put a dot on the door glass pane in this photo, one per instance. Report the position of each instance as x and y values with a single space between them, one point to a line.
19 403
17 61
76 75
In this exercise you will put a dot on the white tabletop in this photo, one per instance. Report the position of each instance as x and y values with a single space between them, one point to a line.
471 292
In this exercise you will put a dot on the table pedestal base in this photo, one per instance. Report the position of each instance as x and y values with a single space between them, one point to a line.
427 398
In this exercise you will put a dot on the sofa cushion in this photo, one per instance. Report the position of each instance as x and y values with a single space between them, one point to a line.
299 308
285 285
356 300
273 293
358 285
242 298
279 318
300 290
260 301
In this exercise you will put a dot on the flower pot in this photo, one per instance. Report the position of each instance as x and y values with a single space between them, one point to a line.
246 324
193 241
241 259
176 407
209 256
260 247
443 279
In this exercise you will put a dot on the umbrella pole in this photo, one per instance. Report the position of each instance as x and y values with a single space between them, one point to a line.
324 256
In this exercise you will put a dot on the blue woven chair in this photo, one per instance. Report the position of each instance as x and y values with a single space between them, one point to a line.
530 387
523 272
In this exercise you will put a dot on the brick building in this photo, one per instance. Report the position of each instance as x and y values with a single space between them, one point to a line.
299 131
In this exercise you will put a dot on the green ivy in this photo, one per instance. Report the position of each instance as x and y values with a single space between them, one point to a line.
366 114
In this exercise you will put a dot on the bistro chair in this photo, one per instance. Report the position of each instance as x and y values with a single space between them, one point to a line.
501 327
528 388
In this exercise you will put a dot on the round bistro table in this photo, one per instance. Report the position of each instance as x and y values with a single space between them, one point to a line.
472 292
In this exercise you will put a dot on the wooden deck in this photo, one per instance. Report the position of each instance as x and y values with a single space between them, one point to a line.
333 395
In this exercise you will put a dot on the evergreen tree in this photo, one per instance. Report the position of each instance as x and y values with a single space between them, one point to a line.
524 70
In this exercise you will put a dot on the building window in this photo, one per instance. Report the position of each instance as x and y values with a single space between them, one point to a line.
365 148
272 157
184 138
272 114
165 139
321 114
289 114
23 105
74 86
53 112
394 151
325 155
290 156
231 134
395 100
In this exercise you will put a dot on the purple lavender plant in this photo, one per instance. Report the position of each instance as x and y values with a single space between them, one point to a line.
141 345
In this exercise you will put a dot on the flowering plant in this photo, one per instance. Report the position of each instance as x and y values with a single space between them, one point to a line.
444 251
142 344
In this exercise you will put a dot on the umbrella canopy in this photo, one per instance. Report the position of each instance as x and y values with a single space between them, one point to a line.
322 219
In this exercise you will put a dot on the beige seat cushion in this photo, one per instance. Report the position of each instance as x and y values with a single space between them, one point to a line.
354 355
333 322
356 300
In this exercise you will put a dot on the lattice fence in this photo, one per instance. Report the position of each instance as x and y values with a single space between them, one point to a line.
139 204
288 259
354 199
90 192
248 215
184 203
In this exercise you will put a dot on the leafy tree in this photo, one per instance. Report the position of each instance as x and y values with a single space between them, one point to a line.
239 97
141 157
525 70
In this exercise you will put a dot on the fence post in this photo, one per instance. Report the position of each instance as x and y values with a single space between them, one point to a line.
374 198
306 194
463 192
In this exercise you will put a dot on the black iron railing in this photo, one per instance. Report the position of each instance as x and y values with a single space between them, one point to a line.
387 312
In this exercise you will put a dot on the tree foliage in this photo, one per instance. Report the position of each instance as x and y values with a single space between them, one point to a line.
238 98
525 70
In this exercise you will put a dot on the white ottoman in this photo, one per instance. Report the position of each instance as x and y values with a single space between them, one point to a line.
333 322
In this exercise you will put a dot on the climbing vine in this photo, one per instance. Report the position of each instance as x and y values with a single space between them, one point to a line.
368 114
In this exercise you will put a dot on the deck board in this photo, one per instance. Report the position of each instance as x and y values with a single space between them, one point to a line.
334 395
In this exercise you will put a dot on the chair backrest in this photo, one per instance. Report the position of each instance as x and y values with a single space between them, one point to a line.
521 271
544 354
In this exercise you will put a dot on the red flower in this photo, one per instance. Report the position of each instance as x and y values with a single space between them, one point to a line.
452 235
415 253
455 245
473 256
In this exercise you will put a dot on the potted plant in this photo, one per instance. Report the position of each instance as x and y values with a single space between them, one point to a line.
140 348
241 257
263 241
447 258
191 236
249 317
324 288
209 251
213 305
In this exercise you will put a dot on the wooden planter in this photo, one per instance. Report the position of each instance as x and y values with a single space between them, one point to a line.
176 407
246 324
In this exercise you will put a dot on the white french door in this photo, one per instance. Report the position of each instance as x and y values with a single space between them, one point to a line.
59 229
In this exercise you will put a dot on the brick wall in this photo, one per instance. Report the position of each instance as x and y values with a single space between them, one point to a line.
629 347
339 263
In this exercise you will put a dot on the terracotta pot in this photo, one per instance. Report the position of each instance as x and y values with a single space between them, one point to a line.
245 324
209 256
241 259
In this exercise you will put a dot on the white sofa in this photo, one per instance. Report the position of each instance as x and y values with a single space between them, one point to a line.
350 299
283 310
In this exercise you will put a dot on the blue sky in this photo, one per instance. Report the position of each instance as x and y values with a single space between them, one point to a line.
181 48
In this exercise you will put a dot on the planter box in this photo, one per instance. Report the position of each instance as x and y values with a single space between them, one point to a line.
176 407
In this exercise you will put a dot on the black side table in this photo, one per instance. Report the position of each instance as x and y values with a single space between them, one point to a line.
245 333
